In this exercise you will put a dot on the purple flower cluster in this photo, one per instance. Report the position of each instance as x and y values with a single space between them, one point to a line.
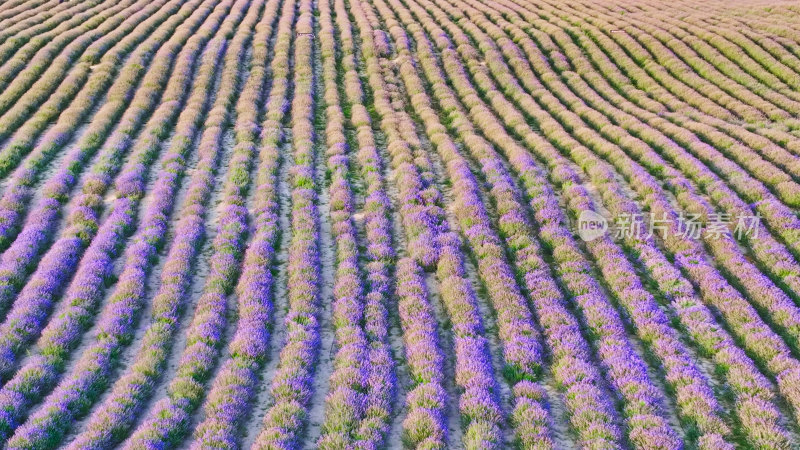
425 423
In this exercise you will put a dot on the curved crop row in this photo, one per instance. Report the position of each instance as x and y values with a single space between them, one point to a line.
291 386
32 305
113 418
166 421
23 390
379 252
57 188
63 72
422 219
347 401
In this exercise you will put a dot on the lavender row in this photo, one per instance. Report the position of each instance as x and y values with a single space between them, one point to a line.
18 46
136 169
291 387
756 426
344 402
31 17
348 400
706 179
480 406
475 143
13 204
233 389
642 43
21 256
112 420
425 424
746 104
420 218
32 306
670 353
622 289
767 348
699 322
379 252
474 374
68 71
481 413
770 253
592 414
166 422
763 48
30 75
758 88
23 390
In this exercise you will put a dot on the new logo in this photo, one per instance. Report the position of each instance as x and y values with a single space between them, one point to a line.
591 225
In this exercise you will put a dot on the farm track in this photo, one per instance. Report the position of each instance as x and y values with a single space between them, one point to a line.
362 224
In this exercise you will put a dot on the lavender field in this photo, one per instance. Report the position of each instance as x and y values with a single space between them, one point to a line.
390 224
